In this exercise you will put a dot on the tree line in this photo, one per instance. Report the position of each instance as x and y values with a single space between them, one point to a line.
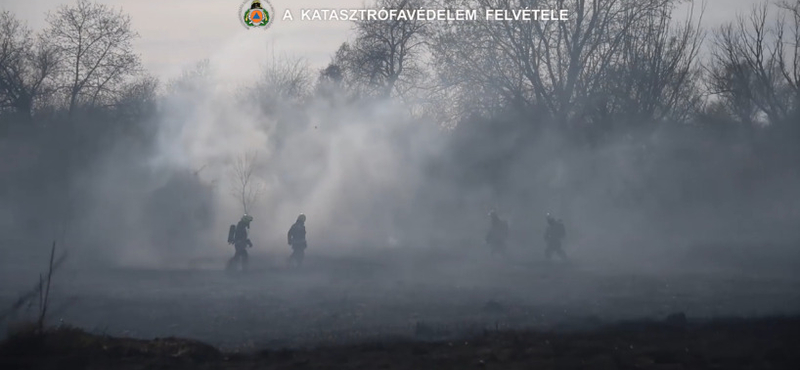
614 63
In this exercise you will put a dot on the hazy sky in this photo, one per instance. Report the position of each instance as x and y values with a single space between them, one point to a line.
178 33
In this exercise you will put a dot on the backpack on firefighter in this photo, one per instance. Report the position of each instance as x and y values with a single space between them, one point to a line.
231 234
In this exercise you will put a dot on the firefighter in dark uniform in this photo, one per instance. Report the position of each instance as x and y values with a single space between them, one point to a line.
241 242
554 236
297 239
497 234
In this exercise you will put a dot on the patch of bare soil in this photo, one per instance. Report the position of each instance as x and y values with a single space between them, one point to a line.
768 343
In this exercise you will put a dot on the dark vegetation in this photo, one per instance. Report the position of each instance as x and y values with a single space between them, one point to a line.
770 343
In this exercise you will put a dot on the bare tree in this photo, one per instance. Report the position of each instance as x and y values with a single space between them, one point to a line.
96 43
136 103
330 83
552 68
754 68
281 93
789 44
475 78
384 59
191 79
655 73
245 187
27 65
284 80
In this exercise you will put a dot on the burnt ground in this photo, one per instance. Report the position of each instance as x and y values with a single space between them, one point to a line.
723 344
412 309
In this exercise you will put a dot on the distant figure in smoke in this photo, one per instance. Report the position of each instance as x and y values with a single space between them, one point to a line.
297 239
553 236
238 237
498 233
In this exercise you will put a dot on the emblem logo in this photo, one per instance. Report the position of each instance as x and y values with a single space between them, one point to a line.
256 14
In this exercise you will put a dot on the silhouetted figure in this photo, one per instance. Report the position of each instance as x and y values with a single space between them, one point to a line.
498 233
240 242
554 236
297 239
